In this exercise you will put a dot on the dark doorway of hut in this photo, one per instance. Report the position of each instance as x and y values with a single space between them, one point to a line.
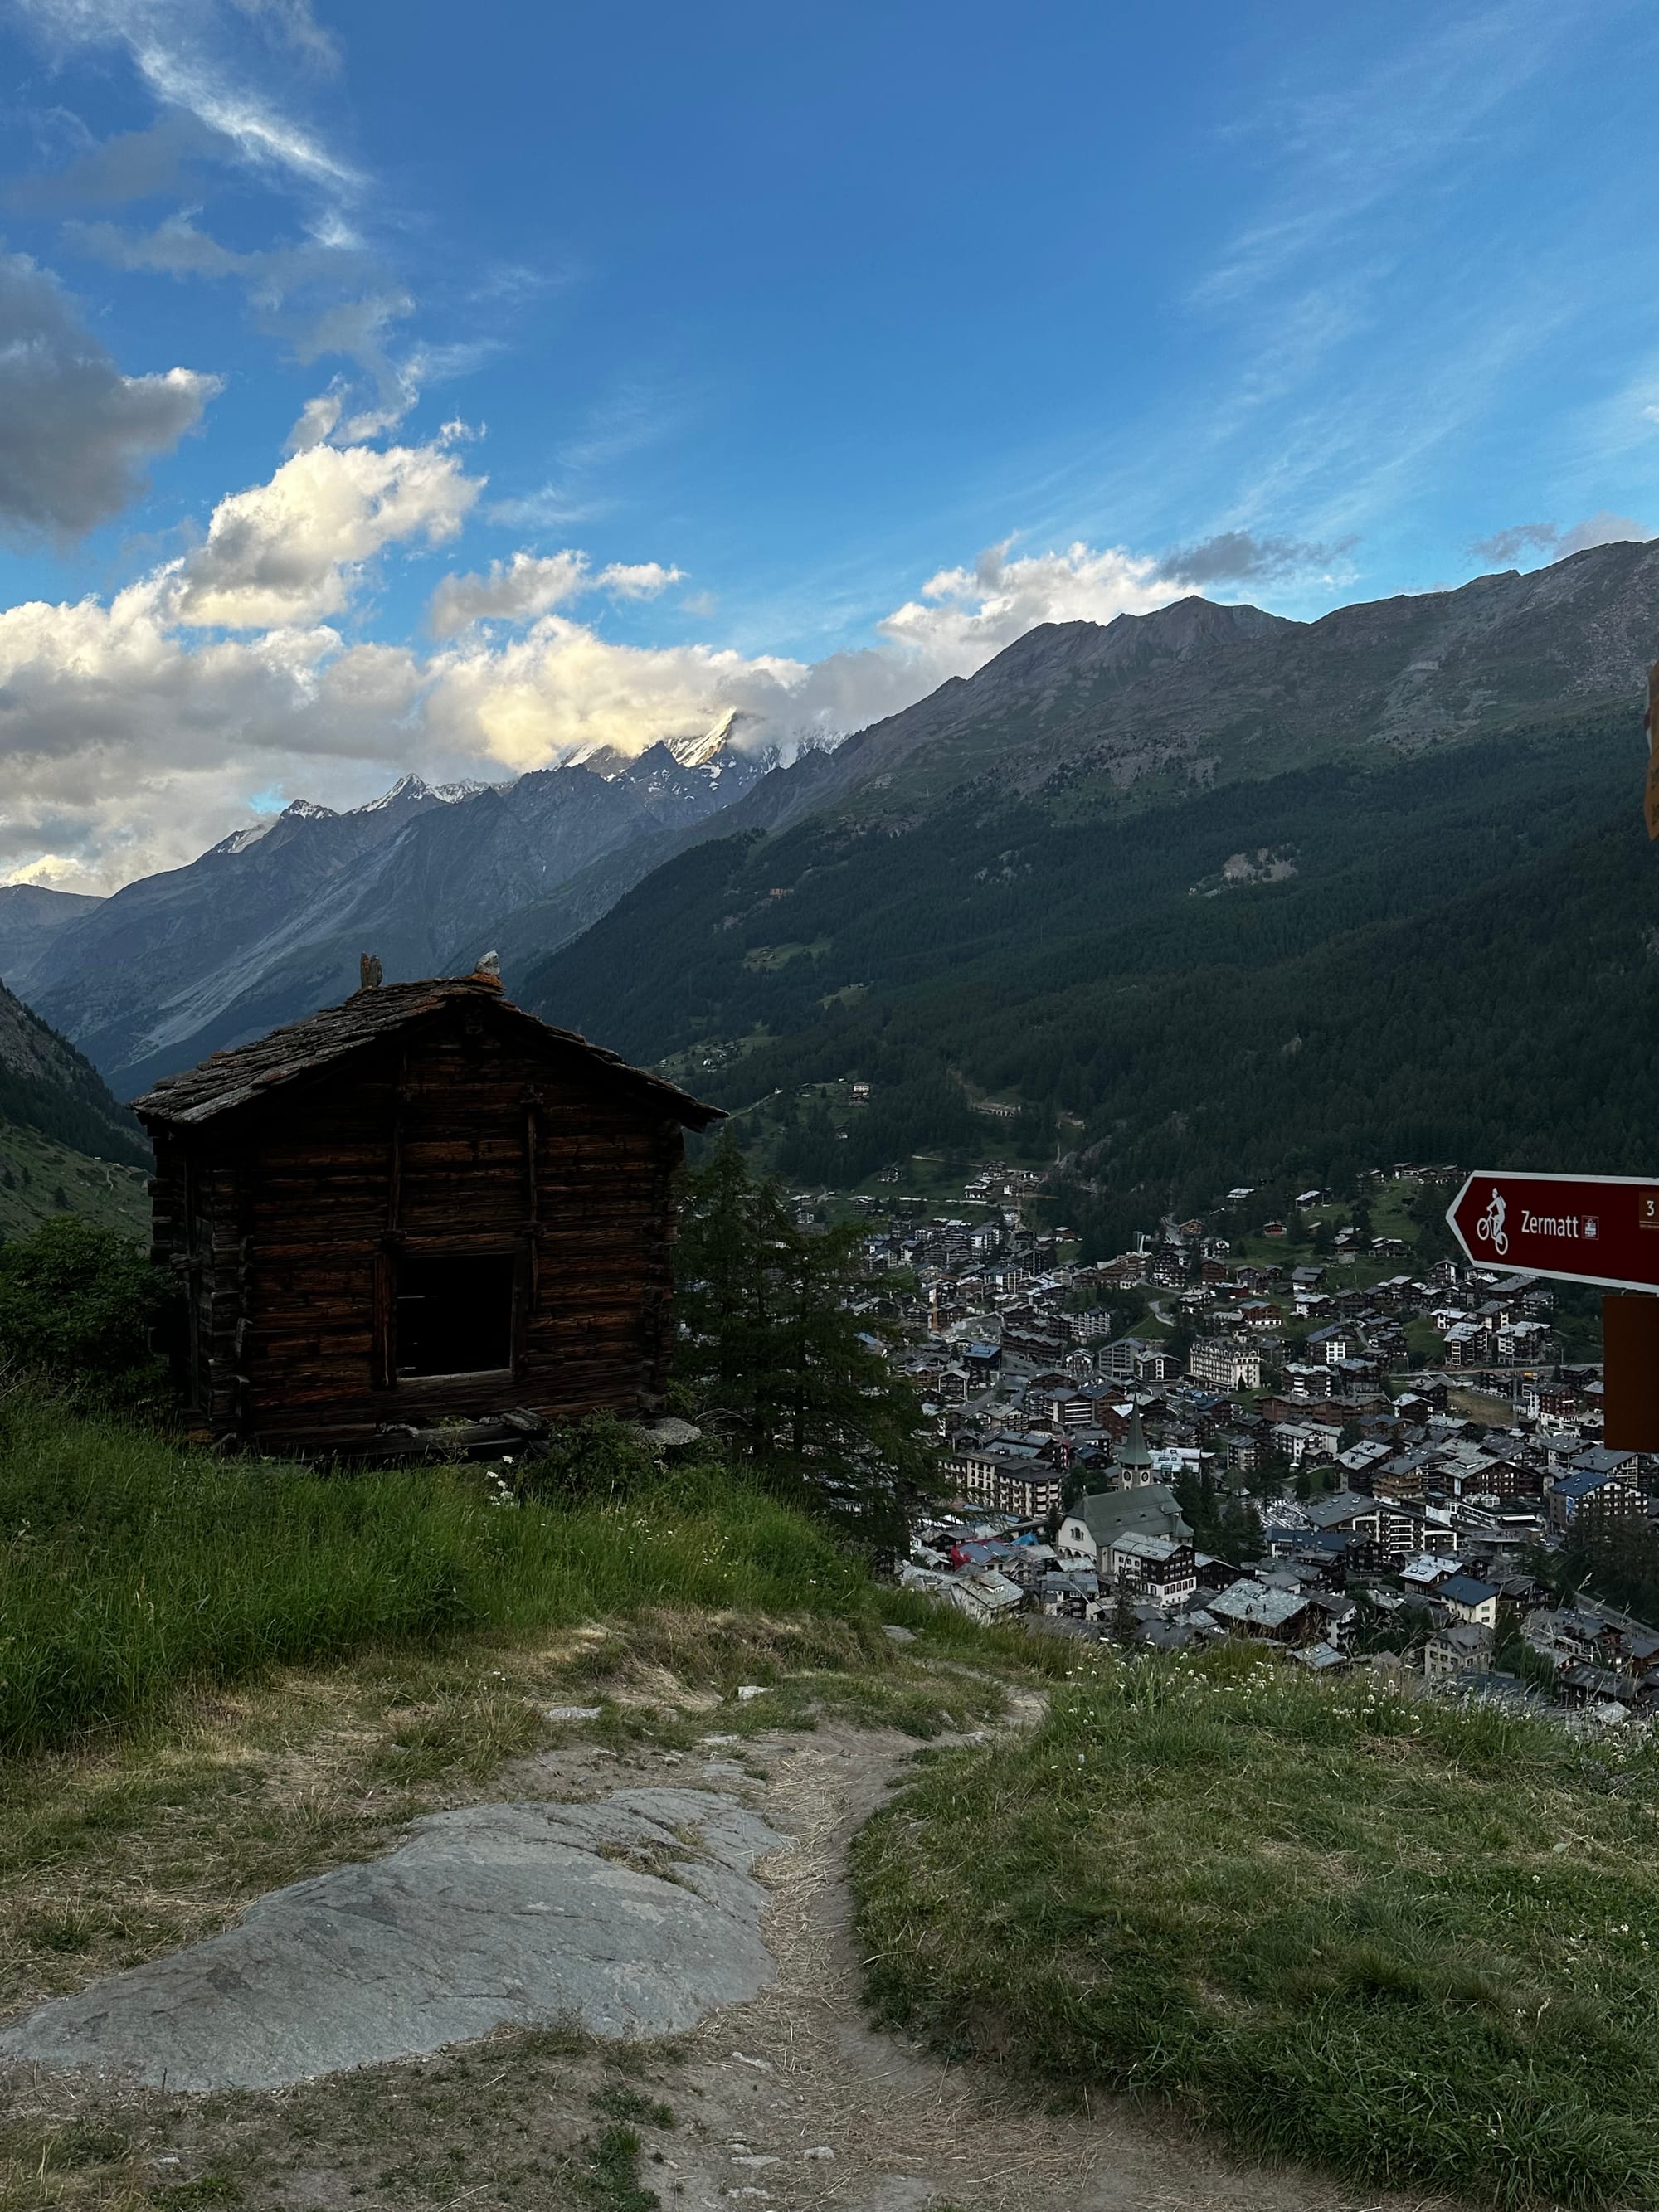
455 1316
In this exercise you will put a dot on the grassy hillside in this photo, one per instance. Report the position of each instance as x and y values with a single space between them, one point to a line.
1414 1942
1399 1939
34 1169
1457 958
245 1564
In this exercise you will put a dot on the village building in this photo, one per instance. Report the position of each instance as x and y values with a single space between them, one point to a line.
1095 1523
1161 1567
1470 1600
1224 1364
419 1206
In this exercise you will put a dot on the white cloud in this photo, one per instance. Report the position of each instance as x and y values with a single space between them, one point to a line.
513 590
561 688
965 615
75 432
1601 528
317 420
637 580
531 584
129 740
286 552
1554 543
126 745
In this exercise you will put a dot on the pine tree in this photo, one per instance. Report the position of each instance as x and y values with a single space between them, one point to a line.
770 1355
1125 1626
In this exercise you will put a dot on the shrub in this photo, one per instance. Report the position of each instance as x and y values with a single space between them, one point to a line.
78 1304
598 1458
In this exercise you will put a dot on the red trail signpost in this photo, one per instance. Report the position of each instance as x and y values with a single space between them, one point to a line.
1581 1229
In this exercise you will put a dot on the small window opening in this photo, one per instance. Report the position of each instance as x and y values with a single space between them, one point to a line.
455 1316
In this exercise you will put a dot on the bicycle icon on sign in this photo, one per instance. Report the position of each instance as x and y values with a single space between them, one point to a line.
1490 1227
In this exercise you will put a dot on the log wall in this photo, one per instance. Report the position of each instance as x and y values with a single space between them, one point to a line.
287 1216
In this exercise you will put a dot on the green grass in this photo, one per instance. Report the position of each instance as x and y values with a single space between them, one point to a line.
131 1570
1424 1342
1405 1941
34 1168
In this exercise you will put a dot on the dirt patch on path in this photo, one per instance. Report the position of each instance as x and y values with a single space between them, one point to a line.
795 2074
785 2103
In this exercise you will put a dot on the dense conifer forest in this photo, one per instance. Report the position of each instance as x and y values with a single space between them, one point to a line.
1459 961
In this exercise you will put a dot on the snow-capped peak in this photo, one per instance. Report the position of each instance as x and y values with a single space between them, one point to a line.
239 840
306 809
406 787
697 752
411 787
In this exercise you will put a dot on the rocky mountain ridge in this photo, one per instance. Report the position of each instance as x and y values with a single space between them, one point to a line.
1193 695
1087 717
1081 719
267 925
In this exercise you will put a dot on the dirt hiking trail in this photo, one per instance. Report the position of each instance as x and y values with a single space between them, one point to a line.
783 2101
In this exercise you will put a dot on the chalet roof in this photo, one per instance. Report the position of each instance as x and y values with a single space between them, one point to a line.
1248 1602
228 1081
1463 1590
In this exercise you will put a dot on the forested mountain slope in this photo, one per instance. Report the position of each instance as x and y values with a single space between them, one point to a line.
1447 954
46 1085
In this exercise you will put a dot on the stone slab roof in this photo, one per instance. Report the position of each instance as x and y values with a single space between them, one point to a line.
229 1080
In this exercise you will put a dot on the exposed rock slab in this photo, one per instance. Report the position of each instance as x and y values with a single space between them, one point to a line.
636 1915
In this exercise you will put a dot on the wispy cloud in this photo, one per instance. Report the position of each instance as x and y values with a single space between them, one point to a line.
182 51
1241 557
1339 155
1554 543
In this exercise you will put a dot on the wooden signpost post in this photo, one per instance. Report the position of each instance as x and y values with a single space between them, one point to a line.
1582 1229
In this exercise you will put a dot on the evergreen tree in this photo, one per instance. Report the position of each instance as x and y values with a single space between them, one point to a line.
770 1355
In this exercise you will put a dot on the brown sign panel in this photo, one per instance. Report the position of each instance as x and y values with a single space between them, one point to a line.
1580 1228
1630 1341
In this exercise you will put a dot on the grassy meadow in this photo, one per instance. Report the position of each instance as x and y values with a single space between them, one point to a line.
1414 1942
131 1570
1406 1941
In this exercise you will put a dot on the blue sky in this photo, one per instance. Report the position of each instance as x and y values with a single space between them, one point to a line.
414 387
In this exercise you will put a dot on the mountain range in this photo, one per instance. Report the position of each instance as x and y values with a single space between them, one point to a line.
270 924
1205 892
1199 891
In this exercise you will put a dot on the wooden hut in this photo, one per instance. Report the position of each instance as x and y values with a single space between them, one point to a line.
421 1205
